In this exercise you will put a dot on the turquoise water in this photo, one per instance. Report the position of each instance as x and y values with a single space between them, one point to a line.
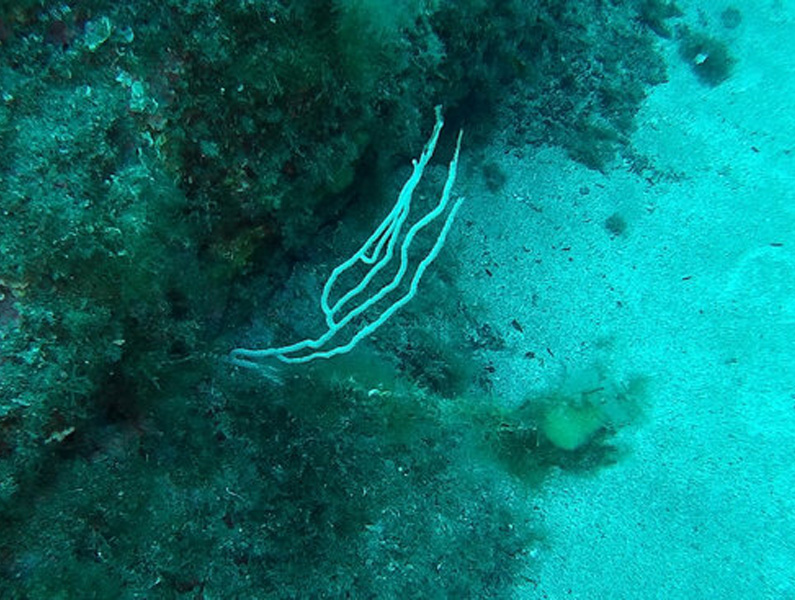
249 349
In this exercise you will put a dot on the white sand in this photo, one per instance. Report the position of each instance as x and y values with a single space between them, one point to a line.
703 506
